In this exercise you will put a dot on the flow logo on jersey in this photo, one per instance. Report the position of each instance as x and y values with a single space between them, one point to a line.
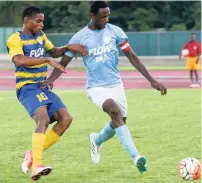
102 58
100 50
37 53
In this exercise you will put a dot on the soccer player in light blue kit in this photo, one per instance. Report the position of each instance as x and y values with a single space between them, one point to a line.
104 86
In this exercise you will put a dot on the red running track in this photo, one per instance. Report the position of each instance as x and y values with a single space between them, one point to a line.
172 79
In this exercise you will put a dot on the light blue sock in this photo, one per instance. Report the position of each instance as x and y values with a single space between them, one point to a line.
105 134
124 136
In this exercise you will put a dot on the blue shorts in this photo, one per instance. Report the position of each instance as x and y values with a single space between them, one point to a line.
32 98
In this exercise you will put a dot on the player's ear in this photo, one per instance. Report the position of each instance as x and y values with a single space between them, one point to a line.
26 19
91 15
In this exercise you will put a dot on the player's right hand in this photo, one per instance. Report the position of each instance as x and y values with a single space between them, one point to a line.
57 65
77 48
159 86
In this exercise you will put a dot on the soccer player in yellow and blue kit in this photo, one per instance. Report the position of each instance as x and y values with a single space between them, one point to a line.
27 49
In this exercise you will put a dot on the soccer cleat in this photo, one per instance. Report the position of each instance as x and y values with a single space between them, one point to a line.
197 86
27 163
192 85
95 149
140 162
39 171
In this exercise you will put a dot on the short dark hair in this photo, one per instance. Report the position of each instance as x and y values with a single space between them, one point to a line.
96 5
31 11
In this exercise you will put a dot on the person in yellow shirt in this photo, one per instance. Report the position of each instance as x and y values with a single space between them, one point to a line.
27 50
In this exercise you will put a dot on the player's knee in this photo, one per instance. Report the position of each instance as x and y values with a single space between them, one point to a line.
66 121
110 106
114 112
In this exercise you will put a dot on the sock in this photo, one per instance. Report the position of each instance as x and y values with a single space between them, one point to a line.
105 134
124 136
37 148
51 138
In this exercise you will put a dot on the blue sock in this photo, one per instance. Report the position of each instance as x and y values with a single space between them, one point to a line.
105 134
124 136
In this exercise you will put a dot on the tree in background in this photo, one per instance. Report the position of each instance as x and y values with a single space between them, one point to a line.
69 16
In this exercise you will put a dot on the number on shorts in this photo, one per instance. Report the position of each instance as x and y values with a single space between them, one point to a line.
41 97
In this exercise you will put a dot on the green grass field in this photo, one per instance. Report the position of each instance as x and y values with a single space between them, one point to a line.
165 129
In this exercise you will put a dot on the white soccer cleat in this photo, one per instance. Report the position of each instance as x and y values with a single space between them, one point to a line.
95 149
27 163
192 85
197 86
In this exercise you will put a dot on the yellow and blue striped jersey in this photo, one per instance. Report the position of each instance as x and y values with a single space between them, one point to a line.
32 46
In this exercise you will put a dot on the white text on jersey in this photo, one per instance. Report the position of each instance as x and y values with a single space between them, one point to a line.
37 53
100 50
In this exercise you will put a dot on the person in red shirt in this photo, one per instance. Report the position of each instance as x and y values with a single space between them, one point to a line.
193 60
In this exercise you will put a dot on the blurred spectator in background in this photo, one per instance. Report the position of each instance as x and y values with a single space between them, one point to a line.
192 51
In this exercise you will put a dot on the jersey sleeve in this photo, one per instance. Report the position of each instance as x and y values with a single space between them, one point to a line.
120 36
74 40
48 44
122 40
14 46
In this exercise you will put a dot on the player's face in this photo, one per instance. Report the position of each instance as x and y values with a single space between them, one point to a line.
35 23
193 37
102 17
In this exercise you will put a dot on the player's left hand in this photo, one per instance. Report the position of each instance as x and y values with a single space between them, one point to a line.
158 86
77 48
47 83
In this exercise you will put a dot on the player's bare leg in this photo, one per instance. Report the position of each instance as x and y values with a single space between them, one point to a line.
197 84
123 133
38 138
117 123
192 85
64 120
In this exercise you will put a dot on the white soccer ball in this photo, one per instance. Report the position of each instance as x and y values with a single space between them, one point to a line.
185 52
190 169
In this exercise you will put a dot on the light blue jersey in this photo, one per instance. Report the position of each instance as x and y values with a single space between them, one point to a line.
103 56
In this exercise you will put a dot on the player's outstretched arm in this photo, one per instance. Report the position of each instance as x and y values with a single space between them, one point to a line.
56 73
24 61
59 51
134 60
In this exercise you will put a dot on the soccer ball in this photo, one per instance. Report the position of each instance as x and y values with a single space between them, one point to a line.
185 52
190 169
